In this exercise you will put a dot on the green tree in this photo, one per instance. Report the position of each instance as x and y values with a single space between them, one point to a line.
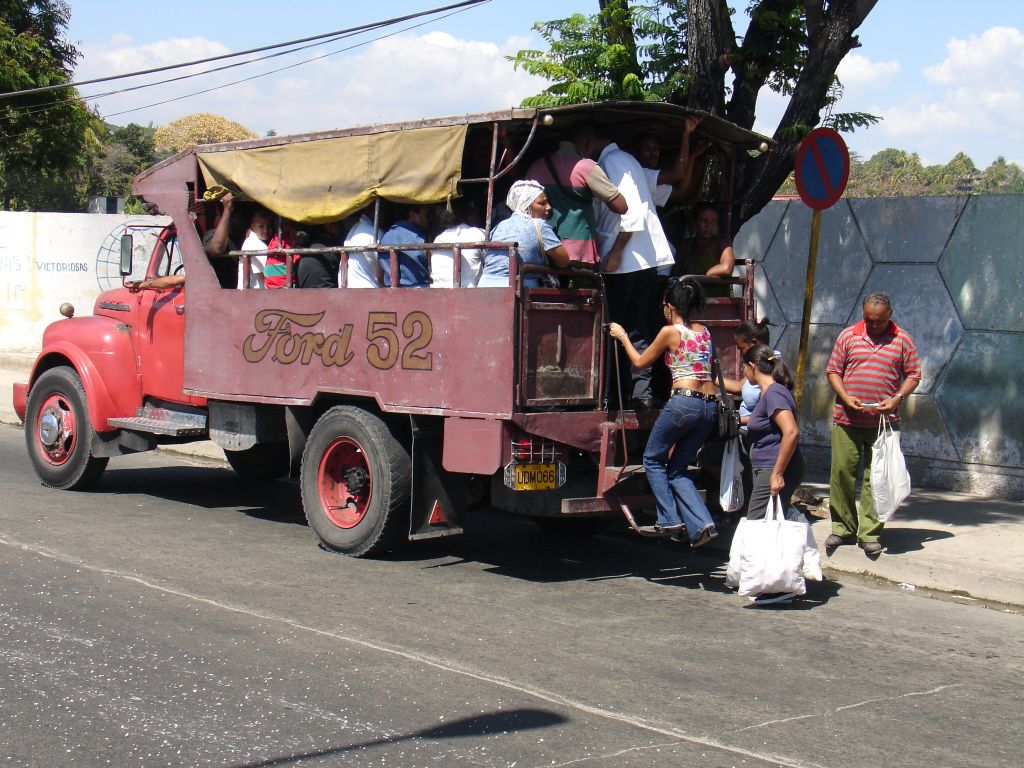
889 173
682 51
46 139
1001 178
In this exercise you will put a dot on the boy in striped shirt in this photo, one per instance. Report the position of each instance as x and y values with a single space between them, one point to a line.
873 368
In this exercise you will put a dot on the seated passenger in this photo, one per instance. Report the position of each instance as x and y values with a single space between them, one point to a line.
218 241
293 235
458 225
413 269
527 226
363 269
320 270
707 252
256 239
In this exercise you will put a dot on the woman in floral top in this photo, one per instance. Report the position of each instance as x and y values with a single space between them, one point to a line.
687 418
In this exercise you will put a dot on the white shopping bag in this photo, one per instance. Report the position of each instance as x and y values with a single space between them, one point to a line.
730 486
767 554
890 481
811 568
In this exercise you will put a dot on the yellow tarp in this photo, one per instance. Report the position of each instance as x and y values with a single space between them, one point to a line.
324 180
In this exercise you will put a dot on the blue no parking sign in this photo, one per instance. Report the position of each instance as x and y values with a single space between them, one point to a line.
822 168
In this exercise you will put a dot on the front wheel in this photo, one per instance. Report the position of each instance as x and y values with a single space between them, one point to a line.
356 481
58 432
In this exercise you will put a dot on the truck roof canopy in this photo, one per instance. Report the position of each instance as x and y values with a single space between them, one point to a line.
320 177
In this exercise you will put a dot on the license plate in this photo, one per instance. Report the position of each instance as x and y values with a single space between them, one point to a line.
535 477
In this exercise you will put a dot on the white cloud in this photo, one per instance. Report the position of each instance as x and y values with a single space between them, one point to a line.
856 71
398 78
997 55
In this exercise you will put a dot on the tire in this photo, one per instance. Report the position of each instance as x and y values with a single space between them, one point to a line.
58 432
356 482
264 461
572 528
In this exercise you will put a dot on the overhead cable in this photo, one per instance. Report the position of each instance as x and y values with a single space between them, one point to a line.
336 33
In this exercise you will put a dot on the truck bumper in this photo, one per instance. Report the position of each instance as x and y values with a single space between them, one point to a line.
20 398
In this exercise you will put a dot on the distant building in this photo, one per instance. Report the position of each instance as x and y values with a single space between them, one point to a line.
106 204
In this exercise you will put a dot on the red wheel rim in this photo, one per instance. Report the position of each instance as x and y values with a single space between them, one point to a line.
56 430
346 485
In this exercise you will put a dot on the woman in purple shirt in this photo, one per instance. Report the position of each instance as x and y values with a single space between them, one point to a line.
773 432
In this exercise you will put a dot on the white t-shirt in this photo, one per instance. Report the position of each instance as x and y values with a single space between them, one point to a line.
442 263
362 265
648 247
660 192
256 263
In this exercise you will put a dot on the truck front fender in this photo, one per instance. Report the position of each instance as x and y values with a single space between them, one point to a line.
103 356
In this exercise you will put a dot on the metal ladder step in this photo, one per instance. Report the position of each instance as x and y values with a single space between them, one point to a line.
163 421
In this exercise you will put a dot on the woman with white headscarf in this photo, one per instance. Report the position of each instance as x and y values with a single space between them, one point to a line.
527 226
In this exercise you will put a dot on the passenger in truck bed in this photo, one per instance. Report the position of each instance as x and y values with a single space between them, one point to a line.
529 227
293 235
410 227
256 239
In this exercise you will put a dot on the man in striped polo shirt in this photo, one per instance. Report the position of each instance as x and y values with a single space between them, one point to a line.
873 368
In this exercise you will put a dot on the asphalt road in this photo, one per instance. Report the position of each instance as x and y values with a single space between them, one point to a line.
178 616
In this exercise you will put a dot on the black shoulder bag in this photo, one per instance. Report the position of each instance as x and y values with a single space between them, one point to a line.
728 426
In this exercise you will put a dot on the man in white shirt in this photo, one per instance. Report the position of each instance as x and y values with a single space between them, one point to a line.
363 270
632 246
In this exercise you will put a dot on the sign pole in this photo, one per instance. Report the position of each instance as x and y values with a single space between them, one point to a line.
805 324
821 171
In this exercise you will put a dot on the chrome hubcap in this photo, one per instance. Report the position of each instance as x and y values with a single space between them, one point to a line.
49 428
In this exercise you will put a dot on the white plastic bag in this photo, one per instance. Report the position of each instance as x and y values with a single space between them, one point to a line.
730 486
811 568
771 553
890 481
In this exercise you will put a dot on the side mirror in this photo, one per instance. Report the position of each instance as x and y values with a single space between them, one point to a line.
127 250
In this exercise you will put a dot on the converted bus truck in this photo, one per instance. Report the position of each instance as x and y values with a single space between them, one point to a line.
393 407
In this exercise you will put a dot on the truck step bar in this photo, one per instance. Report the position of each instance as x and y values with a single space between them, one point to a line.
163 421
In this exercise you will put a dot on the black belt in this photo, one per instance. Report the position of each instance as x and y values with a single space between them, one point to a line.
694 393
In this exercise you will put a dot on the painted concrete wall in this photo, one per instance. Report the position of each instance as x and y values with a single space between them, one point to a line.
49 258
954 268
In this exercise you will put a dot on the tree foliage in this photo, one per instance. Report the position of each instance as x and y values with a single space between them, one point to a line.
47 139
199 128
896 173
687 52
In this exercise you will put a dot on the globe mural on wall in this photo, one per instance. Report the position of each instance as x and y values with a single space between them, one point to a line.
108 256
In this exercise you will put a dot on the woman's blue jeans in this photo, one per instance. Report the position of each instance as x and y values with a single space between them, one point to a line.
685 423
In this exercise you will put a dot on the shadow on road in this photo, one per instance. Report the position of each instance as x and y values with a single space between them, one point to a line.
506 545
494 723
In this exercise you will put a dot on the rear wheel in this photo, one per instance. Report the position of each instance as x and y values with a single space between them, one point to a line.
264 461
356 481
58 432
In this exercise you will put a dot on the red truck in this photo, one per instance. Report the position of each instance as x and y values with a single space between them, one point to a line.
394 407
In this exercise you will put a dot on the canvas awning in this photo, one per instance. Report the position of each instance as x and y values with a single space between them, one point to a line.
323 180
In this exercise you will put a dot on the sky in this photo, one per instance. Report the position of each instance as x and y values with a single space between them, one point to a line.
945 75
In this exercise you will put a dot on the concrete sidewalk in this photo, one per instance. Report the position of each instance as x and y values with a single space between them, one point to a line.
951 542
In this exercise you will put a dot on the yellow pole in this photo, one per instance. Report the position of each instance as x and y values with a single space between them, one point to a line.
805 326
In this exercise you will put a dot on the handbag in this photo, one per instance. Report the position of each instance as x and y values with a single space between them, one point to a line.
890 481
767 554
728 425
730 486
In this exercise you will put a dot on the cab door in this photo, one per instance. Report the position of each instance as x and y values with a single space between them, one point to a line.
160 329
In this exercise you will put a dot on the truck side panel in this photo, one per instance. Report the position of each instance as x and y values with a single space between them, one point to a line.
416 350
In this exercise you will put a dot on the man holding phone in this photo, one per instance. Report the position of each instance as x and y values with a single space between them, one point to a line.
874 367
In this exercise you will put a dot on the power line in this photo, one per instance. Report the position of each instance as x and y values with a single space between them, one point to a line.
336 33
458 8
281 69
